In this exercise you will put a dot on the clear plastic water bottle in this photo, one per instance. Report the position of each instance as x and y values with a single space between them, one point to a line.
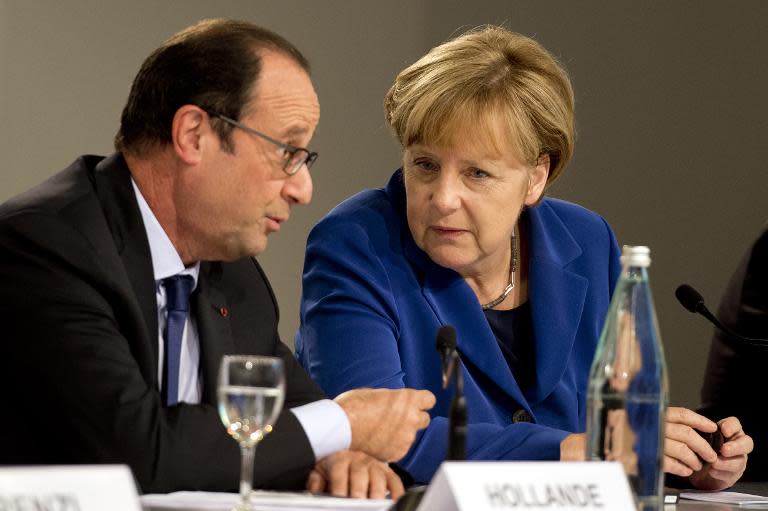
628 390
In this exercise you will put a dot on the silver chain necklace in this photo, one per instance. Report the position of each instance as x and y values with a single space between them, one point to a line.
511 285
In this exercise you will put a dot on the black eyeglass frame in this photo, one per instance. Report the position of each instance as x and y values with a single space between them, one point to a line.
288 149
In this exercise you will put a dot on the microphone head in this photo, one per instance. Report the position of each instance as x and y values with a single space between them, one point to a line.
689 298
446 339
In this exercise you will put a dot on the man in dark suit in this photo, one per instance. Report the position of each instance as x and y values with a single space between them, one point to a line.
735 374
210 161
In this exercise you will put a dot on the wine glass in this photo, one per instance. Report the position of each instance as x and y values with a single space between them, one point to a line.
251 392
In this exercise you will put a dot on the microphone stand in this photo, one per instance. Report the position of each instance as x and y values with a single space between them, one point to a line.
457 431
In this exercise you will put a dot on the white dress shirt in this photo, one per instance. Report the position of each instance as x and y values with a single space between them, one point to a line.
325 422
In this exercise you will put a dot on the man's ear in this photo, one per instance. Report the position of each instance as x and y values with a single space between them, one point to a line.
188 126
537 180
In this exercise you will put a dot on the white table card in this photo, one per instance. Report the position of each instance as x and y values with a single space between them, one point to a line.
68 488
480 486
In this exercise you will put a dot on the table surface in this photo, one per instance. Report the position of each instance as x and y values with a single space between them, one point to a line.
754 488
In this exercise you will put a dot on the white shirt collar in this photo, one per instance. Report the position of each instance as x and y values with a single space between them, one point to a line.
166 261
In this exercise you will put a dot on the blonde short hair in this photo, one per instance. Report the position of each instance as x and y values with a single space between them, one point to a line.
486 79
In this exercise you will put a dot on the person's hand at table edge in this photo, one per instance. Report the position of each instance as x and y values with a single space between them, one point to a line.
354 474
731 461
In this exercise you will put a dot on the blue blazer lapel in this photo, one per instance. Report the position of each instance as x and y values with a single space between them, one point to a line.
557 298
556 295
454 303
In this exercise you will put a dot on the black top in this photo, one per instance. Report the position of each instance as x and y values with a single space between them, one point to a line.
514 331
734 381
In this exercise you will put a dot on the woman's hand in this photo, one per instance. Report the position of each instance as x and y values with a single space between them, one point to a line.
574 447
687 454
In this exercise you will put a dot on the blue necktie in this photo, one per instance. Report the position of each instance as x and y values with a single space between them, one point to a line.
177 291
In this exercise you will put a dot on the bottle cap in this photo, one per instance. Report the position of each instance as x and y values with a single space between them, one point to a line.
636 256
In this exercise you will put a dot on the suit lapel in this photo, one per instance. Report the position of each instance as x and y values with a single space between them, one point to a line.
113 186
118 200
213 327
556 295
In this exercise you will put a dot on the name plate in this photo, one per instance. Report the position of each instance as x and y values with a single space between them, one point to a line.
68 488
541 485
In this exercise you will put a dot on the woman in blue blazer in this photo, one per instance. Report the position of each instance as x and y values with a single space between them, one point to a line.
462 236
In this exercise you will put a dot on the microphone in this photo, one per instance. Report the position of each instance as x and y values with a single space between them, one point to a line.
693 302
457 418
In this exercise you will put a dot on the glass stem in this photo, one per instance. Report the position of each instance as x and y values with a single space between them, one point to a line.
246 474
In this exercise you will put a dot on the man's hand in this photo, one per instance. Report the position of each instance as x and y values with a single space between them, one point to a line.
574 447
354 474
731 461
685 451
384 422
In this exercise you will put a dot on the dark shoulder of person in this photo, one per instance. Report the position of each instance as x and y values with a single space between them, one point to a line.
735 371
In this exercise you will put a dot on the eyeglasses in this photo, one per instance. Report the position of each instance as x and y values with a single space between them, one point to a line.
293 157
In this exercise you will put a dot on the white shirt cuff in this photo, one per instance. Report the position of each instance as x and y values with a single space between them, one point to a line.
326 425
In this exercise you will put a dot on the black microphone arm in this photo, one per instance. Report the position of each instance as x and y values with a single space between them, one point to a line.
457 423
693 302
457 417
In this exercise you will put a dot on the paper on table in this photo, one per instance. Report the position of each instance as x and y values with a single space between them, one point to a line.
727 497
265 500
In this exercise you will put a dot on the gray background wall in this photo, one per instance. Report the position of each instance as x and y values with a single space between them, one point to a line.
671 100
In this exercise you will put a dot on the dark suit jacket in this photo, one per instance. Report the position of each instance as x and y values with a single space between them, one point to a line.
735 381
78 355
373 301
